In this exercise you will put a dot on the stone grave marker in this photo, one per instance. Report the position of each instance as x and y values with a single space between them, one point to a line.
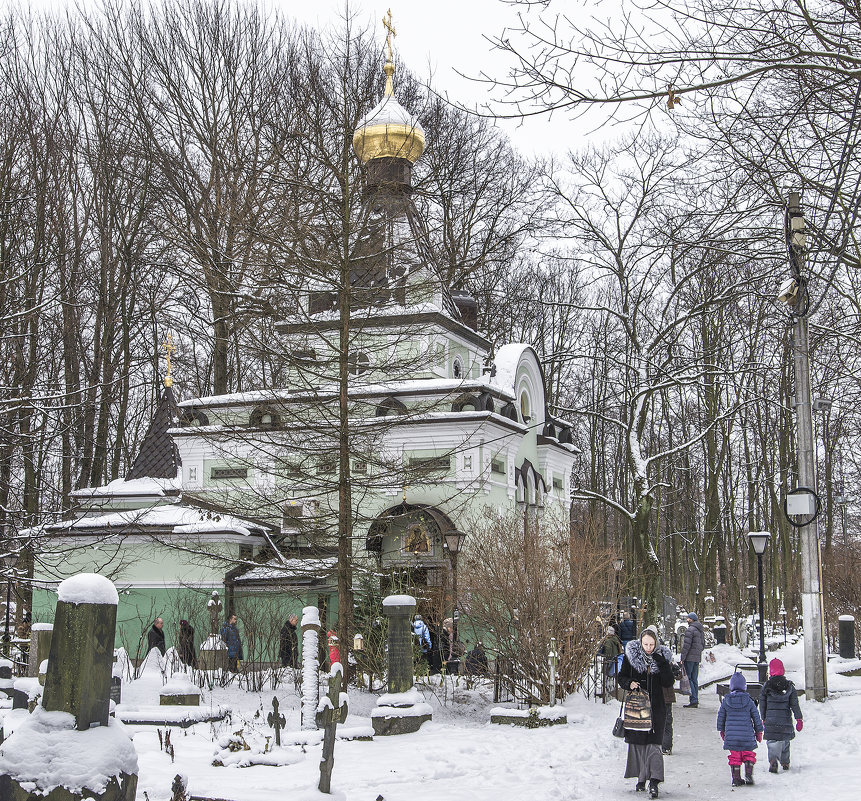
40 646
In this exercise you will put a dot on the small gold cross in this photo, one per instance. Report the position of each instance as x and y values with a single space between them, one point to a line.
391 32
169 349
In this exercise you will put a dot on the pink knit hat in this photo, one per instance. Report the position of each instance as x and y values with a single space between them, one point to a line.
775 667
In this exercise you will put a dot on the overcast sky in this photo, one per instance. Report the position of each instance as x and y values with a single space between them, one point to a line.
439 39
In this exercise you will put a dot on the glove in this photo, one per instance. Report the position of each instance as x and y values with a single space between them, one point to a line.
721 734
759 736
659 657
799 725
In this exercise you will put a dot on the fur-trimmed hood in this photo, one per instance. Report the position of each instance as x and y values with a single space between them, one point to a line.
638 659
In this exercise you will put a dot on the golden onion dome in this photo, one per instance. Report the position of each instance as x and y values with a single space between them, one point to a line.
388 130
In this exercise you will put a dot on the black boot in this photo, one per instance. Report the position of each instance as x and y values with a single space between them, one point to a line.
737 781
641 787
748 772
772 766
692 705
785 767
653 788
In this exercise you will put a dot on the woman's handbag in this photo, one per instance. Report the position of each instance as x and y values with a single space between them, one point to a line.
638 711
619 725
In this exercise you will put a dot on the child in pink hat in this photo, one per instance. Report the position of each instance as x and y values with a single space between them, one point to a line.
778 702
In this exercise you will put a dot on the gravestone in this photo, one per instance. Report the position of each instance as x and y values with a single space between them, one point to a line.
73 715
40 646
310 666
402 710
6 677
846 630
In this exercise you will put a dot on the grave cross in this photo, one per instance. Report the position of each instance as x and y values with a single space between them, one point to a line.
333 712
276 721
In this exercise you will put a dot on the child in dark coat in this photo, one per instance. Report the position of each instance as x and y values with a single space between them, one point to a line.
740 728
778 702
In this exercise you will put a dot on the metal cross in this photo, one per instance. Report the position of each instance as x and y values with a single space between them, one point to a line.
169 350
391 32
276 721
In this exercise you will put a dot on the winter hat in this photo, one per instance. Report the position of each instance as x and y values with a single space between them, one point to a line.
610 631
737 682
692 616
775 668
653 629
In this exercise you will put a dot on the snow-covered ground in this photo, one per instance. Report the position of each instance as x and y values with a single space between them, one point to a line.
461 757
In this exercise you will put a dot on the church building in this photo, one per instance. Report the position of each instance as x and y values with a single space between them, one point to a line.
242 493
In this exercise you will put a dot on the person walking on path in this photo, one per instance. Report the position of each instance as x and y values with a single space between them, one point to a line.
155 637
611 650
288 650
646 665
740 728
185 644
692 653
778 702
230 636
627 629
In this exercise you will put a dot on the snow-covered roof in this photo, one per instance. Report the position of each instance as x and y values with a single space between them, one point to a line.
182 519
136 487
507 360
418 386
291 570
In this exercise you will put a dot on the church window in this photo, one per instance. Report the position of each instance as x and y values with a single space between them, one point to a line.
497 466
358 363
359 467
431 464
467 462
291 511
221 473
457 367
557 483
246 552
192 474
525 407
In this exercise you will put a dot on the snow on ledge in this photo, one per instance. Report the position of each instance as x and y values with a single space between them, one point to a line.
410 697
310 616
544 712
180 684
88 588
417 710
399 600
42 627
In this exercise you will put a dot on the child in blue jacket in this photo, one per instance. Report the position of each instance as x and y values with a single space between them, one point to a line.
740 728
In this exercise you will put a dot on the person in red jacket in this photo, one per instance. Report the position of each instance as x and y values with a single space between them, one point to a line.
334 650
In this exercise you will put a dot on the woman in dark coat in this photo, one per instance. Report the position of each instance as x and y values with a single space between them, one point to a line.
185 644
647 665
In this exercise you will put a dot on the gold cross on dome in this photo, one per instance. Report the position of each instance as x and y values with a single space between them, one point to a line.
169 349
387 23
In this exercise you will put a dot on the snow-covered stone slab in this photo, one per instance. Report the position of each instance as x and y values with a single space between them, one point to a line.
532 718
180 690
182 716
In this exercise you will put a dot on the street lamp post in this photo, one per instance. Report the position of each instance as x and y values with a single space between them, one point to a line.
454 542
11 560
759 540
618 564
782 613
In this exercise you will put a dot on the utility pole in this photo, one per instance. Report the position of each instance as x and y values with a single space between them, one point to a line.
815 679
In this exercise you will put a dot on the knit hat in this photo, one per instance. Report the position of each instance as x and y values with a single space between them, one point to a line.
737 682
653 629
775 668
610 631
692 616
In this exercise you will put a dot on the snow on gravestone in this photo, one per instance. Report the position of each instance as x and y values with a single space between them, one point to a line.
69 748
310 666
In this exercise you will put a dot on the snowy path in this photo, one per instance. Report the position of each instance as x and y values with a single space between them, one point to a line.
460 757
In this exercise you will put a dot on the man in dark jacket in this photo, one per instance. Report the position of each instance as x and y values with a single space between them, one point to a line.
155 637
778 702
627 629
230 636
289 650
692 654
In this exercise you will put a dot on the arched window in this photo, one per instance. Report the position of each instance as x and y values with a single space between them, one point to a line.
193 418
264 417
358 363
525 407
457 367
